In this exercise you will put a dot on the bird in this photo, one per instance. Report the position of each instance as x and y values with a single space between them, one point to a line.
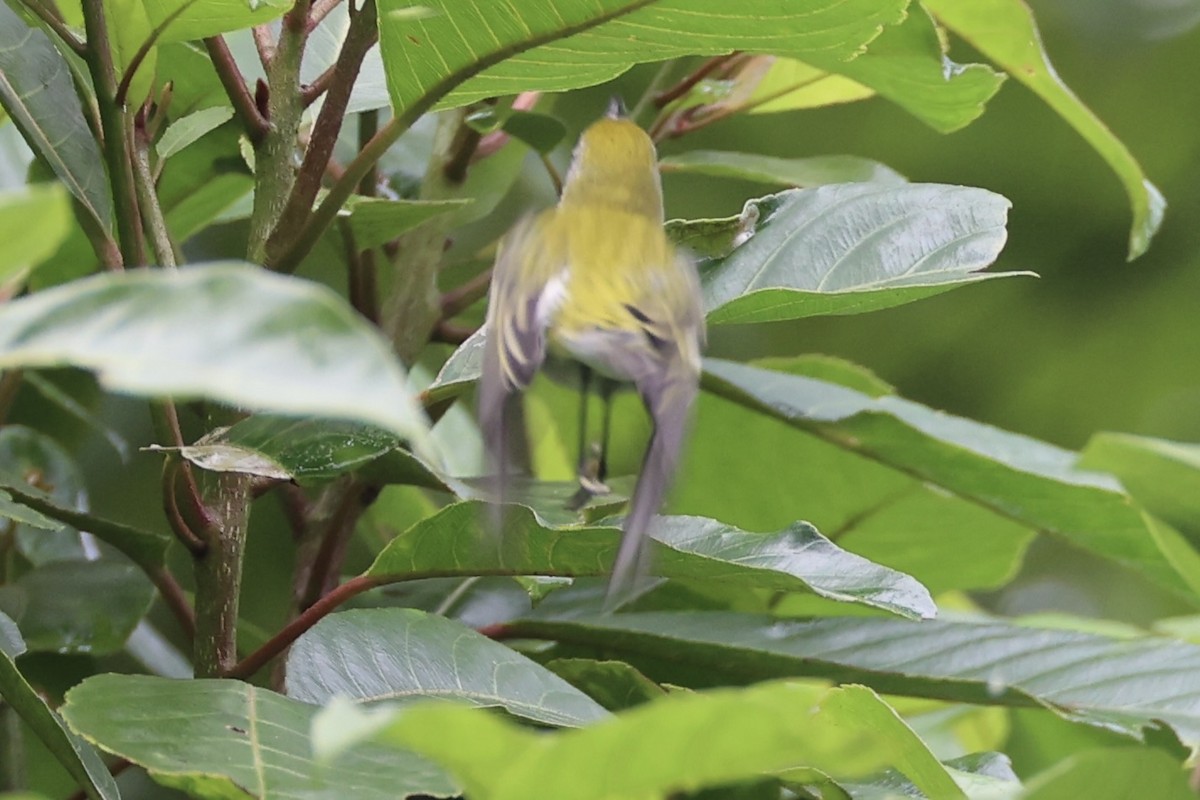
593 288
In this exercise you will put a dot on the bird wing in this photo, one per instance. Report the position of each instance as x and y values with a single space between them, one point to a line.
675 329
522 284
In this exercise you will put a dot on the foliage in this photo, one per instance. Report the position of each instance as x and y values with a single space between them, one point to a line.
252 241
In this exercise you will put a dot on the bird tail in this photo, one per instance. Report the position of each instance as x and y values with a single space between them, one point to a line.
669 401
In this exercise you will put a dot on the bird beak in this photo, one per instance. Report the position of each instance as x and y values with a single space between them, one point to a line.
616 108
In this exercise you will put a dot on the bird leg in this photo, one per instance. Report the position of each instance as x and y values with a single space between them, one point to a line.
593 456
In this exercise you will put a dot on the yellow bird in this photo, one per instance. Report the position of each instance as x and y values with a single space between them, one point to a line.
595 281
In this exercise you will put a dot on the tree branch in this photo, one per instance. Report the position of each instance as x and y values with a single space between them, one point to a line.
252 663
359 39
98 56
236 88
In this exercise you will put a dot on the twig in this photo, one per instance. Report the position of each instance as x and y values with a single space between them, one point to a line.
363 270
144 50
153 220
663 99
288 257
252 663
326 562
311 91
298 208
460 298
176 601
98 56
235 87
264 45
651 90
449 333
320 9
195 545
57 25
10 384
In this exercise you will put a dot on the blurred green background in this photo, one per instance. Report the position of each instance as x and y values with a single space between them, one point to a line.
1095 343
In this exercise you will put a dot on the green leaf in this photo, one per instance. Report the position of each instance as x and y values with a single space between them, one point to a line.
1121 684
1005 31
224 738
981 776
310 451
12 510
457 541
80 760
37 92
34 221
78 606
798 172
540 131
228 332
459 372
129 28
680 743
440 56
613 684
907 64
203 18
1163 475
850 248
790 85
1112 773
29 459
189 128
1026 481
375 222
147 550
402 654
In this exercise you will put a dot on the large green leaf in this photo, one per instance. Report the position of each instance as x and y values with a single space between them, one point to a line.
78 606
77 756
226 332
908 65
33 223
37 92
850 248
798 172
374 221
1122 684
225 738
457 541
1022 479
1112 773
202 18
1163 475
310 451
759 473
678 743
145 548
429 56
31 462
402 654
1005 31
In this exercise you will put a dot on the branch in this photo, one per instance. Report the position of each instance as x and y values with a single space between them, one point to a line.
98 56
320 9
175 600
144 50
264 45
362 35
663 99
293 630
316 225
460 298
57 25
235 87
